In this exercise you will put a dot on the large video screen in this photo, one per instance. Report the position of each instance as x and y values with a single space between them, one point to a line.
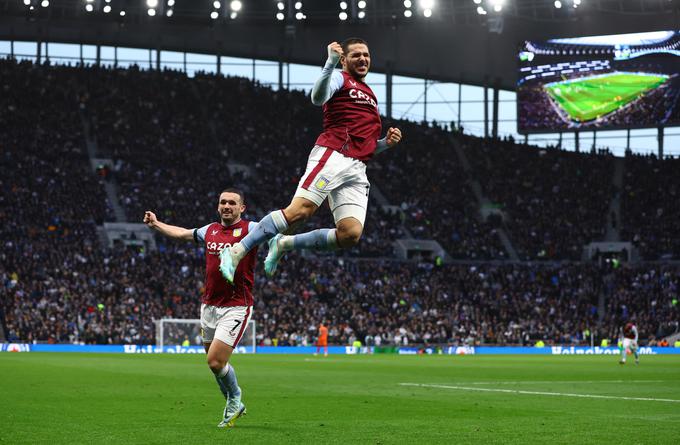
599 82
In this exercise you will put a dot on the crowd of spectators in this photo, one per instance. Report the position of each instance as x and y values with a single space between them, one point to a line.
555 202
648 295
150 124
651 206
426 179
79 292
59 284
154 126
45 175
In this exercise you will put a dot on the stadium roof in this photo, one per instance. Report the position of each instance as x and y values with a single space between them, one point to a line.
455 43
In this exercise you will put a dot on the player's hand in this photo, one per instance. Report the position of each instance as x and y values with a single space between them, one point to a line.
334 52
150 218
393 136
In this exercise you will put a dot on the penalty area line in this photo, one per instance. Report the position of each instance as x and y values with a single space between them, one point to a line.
539 393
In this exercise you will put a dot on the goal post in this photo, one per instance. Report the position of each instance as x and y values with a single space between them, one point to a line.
187 332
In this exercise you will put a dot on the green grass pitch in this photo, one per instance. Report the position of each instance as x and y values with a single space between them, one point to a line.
592 97
56 398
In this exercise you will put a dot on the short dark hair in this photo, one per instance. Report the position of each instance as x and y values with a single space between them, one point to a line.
236 191
351 41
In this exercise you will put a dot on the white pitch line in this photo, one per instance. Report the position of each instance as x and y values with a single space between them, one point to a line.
538 382
540 393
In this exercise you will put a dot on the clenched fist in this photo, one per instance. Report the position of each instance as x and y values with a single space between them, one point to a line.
393 136
150 218
334 52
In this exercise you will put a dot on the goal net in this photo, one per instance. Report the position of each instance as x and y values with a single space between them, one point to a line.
187 332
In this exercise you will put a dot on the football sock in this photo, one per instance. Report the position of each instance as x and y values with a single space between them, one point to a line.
320 239
223 388
623 354
275 222
227 377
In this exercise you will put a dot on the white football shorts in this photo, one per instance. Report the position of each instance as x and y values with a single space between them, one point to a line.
339 178
630 343
227 324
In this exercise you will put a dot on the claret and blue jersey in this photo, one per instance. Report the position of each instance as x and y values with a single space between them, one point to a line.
219 292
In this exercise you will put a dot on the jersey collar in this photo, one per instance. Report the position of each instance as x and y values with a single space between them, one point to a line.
232 225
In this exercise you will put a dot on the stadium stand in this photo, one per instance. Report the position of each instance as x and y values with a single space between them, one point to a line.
651 208
60 285
556 201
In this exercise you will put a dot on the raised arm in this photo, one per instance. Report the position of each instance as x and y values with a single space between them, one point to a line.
166 229
330 80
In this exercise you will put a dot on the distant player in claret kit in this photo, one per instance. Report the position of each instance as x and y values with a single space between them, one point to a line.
630 341
226 308
336 168
322 340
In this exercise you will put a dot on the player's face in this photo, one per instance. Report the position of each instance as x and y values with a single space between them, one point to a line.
230 208
357 60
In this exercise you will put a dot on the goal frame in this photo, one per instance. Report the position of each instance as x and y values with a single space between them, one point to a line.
252 327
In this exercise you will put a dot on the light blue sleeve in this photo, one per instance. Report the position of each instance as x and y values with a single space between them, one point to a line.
199 234
251 226
381 145
327 84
